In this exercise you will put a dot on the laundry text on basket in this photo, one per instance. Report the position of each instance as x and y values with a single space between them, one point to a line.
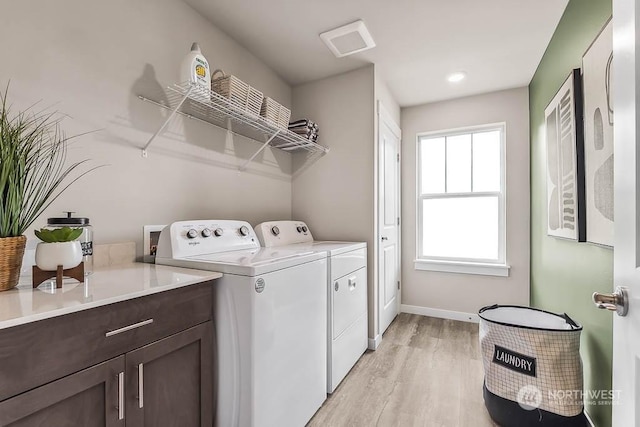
515 361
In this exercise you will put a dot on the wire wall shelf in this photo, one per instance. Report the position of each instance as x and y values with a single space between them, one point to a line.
200 103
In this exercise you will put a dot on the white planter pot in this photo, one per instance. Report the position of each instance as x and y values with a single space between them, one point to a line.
50 255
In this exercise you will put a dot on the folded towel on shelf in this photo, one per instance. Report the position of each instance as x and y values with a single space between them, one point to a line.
305 128
308 135
301 122
303 131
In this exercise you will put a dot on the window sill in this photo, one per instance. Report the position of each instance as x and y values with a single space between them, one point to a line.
484 269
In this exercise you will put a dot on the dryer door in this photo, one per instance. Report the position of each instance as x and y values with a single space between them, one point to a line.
349 300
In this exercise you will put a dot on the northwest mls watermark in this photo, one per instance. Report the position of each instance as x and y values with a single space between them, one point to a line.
530 397
589 397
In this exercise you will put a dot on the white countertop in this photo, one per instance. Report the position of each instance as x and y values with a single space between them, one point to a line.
24 304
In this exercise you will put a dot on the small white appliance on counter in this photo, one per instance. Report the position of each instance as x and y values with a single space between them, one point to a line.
270 321
346 291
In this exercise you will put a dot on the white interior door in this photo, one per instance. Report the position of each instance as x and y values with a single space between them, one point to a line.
626 329
388 219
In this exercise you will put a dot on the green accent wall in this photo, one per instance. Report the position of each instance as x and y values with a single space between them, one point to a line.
564 274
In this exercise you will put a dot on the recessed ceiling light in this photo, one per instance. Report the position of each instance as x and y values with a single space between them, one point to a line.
456 77
348 39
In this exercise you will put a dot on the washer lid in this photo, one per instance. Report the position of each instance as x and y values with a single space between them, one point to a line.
254 257
330 247
246 262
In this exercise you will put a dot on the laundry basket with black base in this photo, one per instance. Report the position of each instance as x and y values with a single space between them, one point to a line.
532 367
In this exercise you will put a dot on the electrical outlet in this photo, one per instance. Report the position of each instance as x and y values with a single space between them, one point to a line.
151 234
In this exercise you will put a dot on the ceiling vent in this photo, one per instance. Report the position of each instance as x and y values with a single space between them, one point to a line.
348 39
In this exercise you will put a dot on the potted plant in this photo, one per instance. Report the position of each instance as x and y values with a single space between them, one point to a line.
33 173
58 247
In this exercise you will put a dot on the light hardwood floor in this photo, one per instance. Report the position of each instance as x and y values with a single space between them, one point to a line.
426 372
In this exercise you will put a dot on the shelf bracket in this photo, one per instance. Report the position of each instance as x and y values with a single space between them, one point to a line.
244 165
166 122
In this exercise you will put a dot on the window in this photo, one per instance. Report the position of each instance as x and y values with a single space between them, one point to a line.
461 208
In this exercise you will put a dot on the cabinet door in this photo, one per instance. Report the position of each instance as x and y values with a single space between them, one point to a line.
169 382
93 397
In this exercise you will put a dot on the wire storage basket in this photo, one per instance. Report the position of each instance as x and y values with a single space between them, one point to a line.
236 91
532 366
275 113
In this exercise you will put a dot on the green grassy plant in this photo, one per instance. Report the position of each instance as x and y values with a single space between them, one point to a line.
33 167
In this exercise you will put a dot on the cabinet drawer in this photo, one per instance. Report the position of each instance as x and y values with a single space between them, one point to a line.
37 353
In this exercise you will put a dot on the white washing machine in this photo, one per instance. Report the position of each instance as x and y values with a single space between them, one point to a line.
347 335
270 313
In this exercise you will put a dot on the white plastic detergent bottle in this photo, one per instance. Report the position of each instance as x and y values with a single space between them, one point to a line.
195 68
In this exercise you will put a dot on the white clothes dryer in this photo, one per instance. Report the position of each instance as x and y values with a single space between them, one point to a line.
347 334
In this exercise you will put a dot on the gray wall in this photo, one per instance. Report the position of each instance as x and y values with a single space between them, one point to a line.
384 95
90 59
443 291
335 196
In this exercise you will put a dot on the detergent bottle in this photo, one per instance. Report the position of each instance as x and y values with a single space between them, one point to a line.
195 68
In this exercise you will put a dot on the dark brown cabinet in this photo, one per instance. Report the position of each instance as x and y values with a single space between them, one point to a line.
88 398
160 374
169 382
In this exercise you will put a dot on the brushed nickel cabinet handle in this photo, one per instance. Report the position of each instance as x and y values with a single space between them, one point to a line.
121 396
141 385
128 328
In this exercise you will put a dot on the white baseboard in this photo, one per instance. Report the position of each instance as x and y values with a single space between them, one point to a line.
374 342
443 314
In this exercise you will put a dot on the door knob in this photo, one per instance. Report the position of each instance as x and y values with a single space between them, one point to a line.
385 238
617 301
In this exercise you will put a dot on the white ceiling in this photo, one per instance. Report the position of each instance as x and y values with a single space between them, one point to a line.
498 43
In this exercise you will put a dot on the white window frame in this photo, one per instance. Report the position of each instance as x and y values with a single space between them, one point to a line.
490 267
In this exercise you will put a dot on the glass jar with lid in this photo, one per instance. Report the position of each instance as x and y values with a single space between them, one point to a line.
86 238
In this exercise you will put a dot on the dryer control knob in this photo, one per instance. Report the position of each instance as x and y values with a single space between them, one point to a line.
218 232
304 228
206 232
299 229
275 230
244 230
192 234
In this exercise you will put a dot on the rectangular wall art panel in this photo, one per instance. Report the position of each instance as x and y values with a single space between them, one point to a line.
598 138
565 162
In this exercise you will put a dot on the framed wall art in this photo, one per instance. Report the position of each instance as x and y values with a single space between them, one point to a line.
598 138
565 161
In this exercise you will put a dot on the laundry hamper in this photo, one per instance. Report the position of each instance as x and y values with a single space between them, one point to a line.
532 367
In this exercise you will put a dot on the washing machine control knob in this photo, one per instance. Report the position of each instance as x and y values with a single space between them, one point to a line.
275 230
299 229
192 234
217 232
304 228
244 231
206 232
